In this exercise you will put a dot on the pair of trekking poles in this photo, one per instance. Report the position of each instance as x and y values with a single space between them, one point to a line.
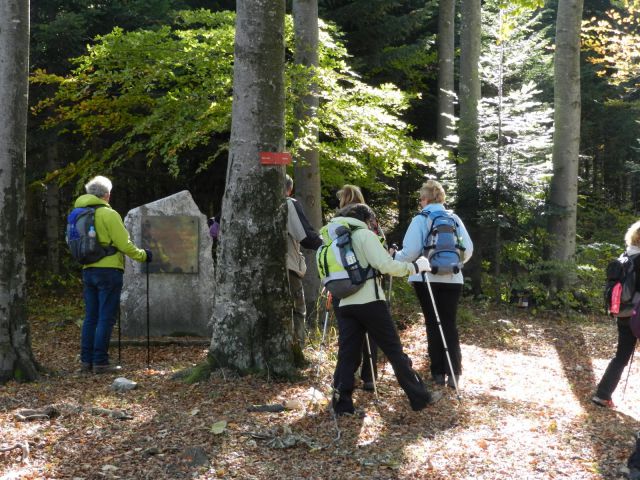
148 328
366 335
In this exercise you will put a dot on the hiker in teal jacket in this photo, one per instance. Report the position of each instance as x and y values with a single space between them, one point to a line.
367 311
103 279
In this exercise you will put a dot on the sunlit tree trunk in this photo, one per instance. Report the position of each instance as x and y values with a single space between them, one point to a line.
563 195
307 164
469 96
446 87
252 317
16 358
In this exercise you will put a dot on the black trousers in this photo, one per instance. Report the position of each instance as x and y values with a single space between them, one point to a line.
447 296
626 346
365 373
374 318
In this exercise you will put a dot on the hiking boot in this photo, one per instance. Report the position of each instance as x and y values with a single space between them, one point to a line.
601 402
369 387
98 369
433 398
84 368
342 404
438 378
450 381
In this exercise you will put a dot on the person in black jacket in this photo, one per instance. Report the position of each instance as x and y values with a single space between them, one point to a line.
626 339
299 233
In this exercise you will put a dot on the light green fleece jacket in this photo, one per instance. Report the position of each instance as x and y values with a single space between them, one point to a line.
370 251
110 231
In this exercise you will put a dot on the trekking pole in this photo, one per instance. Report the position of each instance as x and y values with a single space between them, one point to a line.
628 372
389 294
444 342
327 305
373 373
119 337
148 343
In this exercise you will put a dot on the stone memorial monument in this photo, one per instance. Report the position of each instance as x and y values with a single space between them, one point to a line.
180 276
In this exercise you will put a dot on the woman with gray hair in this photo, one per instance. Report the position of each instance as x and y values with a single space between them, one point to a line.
446 287
102 279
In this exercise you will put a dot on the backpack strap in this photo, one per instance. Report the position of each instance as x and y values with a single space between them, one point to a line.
109 249
429 215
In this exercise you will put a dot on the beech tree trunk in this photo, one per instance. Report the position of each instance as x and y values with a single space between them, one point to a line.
307 163
446 86
252 316
469 95
563 195
16 357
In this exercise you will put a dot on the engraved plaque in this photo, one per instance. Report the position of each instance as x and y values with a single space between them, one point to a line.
173 241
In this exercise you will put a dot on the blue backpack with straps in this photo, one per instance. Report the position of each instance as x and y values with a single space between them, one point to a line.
443 245
82 238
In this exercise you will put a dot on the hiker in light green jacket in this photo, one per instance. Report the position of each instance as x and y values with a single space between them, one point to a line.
367 311
103 279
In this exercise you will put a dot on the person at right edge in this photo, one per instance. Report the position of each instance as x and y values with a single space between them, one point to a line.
446 288
626 339
367 311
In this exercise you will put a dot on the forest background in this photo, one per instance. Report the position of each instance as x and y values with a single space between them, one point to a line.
128 89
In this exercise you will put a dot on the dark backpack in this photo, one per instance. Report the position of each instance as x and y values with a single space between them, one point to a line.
443 245
338 266
620 295
82 238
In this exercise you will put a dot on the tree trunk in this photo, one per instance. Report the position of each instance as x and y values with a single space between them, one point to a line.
52 202
563 195
16 357
252 317
307 165
469 94
446 87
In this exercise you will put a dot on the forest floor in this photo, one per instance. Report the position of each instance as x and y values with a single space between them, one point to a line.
525 411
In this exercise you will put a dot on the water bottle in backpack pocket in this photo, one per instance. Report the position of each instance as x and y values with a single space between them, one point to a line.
338 266
82 238
443 246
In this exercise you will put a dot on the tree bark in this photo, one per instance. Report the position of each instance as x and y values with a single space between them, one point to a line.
468 168
252 317
563 195
307 165
446 86
16 357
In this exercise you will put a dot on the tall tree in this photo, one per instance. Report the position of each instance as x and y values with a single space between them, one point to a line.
307 165
252 319
16 358
563 196
446 87
468 168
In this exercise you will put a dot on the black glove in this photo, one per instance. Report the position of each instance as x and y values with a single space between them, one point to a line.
149 255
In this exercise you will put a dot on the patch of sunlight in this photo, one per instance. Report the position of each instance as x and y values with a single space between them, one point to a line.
516 377
17 474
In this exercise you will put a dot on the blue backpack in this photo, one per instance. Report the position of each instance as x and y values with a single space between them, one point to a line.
82 238
443 244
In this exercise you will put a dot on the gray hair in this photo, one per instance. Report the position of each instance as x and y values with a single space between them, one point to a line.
99 186
288 183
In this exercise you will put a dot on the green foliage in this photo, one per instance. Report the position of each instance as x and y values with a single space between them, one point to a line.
162 94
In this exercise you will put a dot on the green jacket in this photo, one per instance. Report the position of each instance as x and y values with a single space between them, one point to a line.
110 231
370 251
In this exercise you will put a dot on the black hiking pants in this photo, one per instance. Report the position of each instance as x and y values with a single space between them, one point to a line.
613 373
447 296
374 318
365 372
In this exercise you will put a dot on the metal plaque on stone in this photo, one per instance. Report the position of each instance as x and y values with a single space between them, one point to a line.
173 241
